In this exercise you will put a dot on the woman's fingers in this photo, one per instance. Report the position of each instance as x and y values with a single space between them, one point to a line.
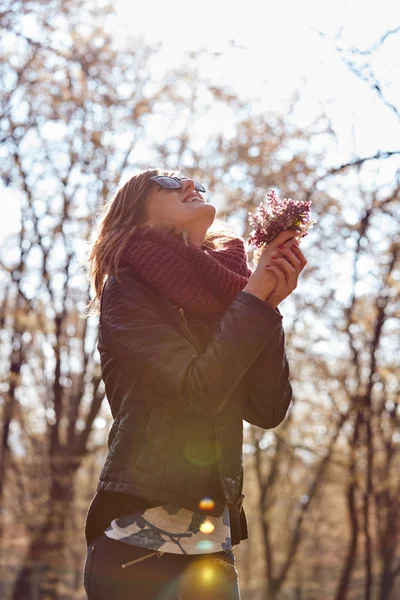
300 256
288 271
292 257
280 276
283 237
284 286
288 263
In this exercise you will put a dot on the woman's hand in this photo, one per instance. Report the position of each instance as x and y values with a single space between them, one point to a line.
286 264
265 281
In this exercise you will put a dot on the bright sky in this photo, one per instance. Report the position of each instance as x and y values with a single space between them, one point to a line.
269 49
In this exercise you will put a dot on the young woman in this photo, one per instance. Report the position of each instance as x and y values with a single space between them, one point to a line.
191 343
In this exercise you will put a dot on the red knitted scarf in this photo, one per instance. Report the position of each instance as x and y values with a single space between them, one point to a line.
200 280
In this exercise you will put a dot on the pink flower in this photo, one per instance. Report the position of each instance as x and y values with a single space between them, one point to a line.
277 216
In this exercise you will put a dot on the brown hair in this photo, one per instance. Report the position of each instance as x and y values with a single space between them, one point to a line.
119 218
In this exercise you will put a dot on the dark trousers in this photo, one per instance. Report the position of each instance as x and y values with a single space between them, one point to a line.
165 577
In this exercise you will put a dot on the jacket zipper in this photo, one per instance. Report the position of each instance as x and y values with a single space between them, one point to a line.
187 327
183 316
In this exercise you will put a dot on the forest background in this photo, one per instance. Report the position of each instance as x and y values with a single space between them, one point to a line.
303 98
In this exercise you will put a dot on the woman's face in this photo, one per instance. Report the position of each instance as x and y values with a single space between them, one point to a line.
184 207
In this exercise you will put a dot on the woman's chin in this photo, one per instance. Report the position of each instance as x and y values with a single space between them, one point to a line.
201 211
209 209
210 213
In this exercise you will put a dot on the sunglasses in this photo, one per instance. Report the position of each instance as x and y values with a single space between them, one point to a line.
173 183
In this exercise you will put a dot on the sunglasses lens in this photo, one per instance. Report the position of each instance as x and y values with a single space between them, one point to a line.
168 182
171 183
199 187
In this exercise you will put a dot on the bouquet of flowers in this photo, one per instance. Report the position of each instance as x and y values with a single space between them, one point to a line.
277 216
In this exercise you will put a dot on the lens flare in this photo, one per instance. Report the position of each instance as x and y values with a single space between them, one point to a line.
205 545
207 574
201 452
207 527
206 504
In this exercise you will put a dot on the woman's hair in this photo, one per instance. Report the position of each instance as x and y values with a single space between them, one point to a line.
119 218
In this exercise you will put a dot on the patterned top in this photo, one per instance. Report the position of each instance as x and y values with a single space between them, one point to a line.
172 529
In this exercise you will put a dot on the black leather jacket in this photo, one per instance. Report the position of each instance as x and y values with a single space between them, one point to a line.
179 388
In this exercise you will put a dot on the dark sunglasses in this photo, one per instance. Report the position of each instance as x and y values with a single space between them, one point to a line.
173 183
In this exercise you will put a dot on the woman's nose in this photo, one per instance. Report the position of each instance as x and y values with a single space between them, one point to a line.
187 184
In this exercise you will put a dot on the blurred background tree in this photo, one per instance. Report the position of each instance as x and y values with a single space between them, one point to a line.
82 111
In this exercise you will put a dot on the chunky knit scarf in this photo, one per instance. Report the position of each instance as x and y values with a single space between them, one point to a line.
200 280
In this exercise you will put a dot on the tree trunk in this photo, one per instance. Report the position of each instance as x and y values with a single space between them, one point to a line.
47 572
10 401
348 566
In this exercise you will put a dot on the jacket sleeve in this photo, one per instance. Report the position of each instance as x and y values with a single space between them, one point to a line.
266 387
167 363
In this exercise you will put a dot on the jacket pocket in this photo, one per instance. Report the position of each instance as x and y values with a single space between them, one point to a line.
150 437
146 441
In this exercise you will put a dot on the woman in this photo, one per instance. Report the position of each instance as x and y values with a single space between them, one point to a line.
191 343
